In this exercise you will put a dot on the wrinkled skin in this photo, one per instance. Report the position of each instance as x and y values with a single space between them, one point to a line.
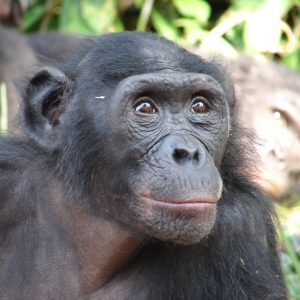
167 160
132 181
171 154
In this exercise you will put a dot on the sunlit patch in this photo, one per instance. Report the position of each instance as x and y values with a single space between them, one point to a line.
277 115
100 97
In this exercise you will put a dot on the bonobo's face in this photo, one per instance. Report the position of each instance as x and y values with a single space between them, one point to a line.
170 130
138 135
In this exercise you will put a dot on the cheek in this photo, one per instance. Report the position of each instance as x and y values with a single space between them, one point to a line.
217 144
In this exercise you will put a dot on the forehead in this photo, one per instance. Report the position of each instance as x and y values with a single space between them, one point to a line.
118 56
171 79
169 83
131 54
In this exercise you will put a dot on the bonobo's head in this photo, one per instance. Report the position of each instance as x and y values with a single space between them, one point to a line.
139 129
272 109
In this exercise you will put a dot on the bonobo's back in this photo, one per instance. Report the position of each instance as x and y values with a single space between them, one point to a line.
133 182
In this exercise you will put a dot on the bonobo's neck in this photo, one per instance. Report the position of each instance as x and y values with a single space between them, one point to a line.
102 248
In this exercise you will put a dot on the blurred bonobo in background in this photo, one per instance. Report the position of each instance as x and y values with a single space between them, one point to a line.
269 101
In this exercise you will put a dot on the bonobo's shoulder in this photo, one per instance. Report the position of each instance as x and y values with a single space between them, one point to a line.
15 153
18 162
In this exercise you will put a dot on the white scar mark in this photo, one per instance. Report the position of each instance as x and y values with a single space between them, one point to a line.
100 97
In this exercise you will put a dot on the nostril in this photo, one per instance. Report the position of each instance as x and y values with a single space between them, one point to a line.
180 154
196 156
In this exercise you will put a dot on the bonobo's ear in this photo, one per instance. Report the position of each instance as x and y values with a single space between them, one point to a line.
45 99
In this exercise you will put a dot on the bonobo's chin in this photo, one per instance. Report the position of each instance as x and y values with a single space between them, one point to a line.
181 222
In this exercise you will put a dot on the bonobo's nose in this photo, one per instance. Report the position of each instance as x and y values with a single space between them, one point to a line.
184 149
182 154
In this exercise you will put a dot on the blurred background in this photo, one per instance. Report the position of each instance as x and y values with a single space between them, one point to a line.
257 40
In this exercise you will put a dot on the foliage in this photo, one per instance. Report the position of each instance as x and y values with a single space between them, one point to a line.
72 16
289 213
265 27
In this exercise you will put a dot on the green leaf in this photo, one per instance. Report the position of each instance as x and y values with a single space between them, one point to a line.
292 60
193 32
163 26
89 16
197 9
32 16
138 3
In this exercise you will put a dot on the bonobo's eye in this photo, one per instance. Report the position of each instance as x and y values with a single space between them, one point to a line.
199 105
144 105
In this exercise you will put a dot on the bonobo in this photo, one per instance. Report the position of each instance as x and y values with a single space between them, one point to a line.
268 96
132 180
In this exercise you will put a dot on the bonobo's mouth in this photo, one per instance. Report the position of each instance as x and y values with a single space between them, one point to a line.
183 220
193 201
